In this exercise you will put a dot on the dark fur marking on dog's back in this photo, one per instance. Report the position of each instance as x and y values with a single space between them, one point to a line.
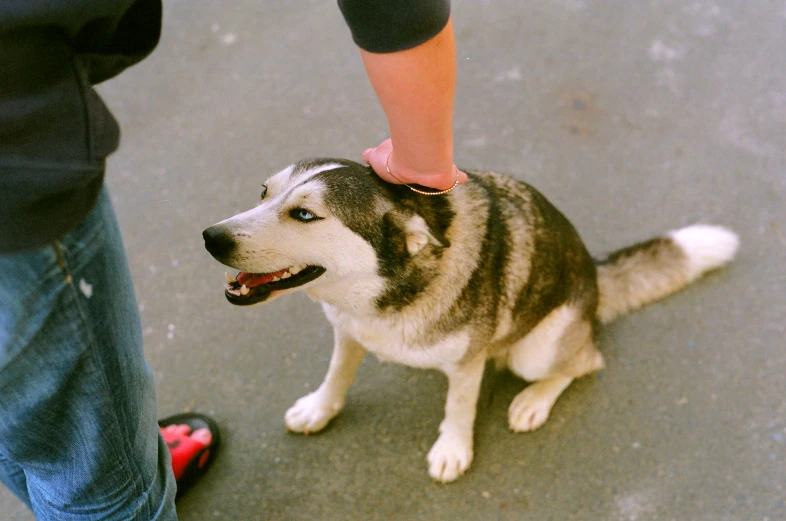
484 289
561 270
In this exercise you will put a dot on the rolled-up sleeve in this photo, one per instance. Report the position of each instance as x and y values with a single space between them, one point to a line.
384 26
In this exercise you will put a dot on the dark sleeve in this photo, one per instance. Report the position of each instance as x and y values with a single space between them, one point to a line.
383 26
107 36
108 46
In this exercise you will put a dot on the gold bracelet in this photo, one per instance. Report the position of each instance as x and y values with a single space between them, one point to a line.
416 190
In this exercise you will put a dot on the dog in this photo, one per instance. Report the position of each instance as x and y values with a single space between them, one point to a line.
490 270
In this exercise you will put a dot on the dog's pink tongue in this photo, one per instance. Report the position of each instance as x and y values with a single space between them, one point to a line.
251 280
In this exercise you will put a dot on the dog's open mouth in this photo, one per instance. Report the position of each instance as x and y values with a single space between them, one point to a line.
250 288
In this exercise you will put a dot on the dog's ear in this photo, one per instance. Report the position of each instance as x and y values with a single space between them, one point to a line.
433 217
418 235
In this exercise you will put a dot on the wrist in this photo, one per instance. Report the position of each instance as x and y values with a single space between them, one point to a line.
439 178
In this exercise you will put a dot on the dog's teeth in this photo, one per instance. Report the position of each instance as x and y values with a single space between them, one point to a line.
296 270
286 275
244 290
276 279
230 279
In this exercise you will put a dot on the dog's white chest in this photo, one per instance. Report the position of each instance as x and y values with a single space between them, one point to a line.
395 343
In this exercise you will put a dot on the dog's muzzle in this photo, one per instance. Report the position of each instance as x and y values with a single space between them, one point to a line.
251 288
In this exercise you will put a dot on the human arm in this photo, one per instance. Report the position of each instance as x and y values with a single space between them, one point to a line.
416 88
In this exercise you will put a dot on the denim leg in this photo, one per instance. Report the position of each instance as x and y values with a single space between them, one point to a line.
13 477
77 400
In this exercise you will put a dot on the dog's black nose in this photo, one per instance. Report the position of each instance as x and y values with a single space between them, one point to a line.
218 241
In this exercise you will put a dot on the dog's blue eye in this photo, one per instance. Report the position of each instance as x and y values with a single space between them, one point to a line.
302 215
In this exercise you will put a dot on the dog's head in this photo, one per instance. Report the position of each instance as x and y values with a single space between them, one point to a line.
333 228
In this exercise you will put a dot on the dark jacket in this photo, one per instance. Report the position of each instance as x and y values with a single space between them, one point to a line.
55 132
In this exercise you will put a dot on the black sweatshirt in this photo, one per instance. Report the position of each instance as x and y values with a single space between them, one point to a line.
55 132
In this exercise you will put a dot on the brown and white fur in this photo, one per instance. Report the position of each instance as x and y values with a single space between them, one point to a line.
490 270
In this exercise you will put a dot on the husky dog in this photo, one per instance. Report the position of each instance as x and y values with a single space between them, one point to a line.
490 270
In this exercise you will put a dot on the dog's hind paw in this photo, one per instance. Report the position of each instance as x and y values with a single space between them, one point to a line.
531 407
529 410
527 416
449 458
311 413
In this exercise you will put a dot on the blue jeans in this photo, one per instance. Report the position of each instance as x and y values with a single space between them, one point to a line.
78 433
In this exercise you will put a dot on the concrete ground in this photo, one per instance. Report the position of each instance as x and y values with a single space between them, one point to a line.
632 117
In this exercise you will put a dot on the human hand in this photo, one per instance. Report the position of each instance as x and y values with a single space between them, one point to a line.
402 173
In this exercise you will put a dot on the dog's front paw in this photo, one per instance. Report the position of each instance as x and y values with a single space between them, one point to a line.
311 413
450 457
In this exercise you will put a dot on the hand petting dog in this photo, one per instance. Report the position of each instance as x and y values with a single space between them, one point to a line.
397 170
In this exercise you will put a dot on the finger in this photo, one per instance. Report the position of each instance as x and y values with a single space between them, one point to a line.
378 158
462 177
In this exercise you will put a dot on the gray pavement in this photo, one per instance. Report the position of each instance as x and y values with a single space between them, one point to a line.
633 117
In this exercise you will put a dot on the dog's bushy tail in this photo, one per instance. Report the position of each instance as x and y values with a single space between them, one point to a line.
648 271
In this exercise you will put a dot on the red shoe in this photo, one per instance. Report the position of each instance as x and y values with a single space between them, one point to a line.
191 454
